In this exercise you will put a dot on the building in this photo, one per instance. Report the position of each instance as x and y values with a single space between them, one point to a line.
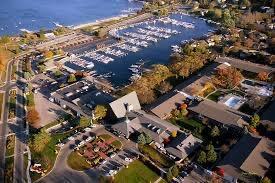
80 97
251 155
245 65
133 120
218 114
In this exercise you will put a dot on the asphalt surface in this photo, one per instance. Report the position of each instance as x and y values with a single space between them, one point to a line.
19 174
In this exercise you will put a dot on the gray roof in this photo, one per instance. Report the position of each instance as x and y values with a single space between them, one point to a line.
142 122
252 154
119 106
245 65
183 145
164 109
219 113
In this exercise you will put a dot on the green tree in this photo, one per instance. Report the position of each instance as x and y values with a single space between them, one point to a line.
40 141
211 156
266 180
202 158
255 120
245 3
215 132
141 139
71 78
84 122
58 73
175 171
100 112
148 138
227 20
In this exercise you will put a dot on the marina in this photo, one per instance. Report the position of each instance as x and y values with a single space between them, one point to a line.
152 40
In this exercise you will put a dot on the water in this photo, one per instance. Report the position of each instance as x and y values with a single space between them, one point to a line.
37 14
156 53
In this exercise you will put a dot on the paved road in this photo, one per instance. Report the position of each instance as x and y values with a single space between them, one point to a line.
21 138
4 122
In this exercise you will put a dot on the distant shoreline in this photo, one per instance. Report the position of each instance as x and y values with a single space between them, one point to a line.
99 21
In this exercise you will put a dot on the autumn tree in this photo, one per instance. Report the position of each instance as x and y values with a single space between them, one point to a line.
164 87
3 60
84 122
263 76
100 112
71 78
33 117
227 78
48 54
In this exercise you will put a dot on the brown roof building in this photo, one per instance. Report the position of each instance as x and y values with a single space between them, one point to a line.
252 154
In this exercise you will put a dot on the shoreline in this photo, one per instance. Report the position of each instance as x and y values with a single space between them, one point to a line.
97 22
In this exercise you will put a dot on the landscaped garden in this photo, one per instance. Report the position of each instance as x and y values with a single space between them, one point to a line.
93 152
136 172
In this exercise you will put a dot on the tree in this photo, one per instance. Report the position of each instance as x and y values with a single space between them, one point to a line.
227 78
215 132
148 138
174 134
263 76
33 117
227 20
71 78
141 139
266 180
48 54
164 87
58 73
3 59
5 39
202 158
244 3
40 141
84 122
100 112
211 156
255 120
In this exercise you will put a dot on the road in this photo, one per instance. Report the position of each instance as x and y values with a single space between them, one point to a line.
4 121
19 174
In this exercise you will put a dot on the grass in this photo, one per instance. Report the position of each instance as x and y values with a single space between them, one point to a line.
215 96
13 74
9 170
12 104
77 162
1 103
157 157
190 124
30 99
48 155
10 145
136 172
117 144
105 137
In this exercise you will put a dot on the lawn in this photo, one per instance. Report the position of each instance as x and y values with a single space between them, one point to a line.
117 144
157 157
77 162
9 170
12 104
136 172
30 99
10 145
47 156
215 96
1 103
189 124
105 137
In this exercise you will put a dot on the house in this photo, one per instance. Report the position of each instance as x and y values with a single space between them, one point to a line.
218 114
251 155
245 65
133 120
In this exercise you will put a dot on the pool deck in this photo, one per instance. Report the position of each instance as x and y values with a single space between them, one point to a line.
230 96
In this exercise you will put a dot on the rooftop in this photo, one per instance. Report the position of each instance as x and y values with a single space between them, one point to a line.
252 154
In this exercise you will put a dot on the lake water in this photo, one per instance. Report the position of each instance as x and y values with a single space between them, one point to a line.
155 53
37 14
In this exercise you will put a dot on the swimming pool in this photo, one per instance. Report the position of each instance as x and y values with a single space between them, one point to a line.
233 102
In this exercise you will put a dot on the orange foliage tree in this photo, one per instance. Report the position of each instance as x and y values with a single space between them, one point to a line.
227 78
263 76
33 117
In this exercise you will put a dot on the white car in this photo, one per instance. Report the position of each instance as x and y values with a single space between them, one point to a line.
71 138
88 139
87 129
113 155
103 162
128 160
81 143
